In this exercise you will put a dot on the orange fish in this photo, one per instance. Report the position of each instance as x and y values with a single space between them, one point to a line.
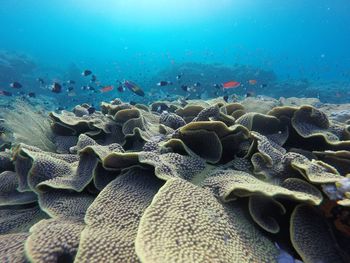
252 81
107 88
231 84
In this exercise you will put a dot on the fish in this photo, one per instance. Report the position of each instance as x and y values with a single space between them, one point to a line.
264 85
91 110
231 84
132 102
90 88
70 89
121 88
93 78
106 88
41 81
162 108
86 72
31 95
71 82
196 84
217 86
185 88
16 85
56 87
164 83
5 93
178 77
249 94
252 81
134 88
225 98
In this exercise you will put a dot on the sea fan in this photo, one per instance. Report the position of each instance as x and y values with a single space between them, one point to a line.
28 125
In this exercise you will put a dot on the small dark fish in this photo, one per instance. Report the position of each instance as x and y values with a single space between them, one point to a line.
70 89
31 95
225 98
164 83
185 88
217 86
178 77
121 88
93 78
132 102
249 94
5 93
161 108
134 88
264 85
16 85
86 72
56 87
90 88
41 81
91 110
71 82
197 84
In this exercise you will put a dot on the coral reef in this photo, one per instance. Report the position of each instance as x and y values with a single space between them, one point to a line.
204 181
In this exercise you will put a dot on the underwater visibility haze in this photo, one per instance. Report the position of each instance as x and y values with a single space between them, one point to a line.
174 131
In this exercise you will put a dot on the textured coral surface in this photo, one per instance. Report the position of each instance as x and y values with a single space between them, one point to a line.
209 181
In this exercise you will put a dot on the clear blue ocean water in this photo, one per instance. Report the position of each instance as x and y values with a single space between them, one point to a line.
135 39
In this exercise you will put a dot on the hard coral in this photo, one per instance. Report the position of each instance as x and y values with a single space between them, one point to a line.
204 182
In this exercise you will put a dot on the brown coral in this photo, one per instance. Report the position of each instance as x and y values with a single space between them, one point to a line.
170 182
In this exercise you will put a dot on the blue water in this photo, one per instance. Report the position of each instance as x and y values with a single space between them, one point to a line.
134 39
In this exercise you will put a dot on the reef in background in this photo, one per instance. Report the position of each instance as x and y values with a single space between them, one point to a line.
15 66
262 180
253 80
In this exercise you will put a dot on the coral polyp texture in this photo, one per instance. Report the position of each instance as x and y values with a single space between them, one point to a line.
208 181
